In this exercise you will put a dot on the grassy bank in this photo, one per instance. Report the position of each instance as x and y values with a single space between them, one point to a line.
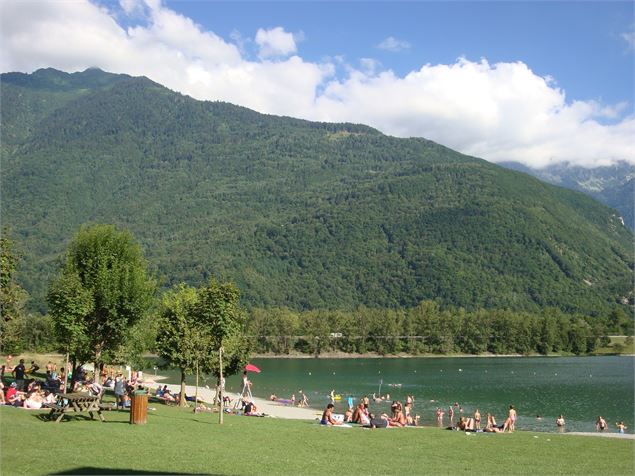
178 441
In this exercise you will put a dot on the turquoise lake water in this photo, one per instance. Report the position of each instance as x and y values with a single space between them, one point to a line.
581 388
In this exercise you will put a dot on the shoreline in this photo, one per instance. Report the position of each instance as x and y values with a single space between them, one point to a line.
371 355
278 410
269 408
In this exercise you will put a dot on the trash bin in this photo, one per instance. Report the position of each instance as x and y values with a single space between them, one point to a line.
139 408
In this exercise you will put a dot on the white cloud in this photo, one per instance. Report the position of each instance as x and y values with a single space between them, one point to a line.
275 42
499 112
393 44
629 37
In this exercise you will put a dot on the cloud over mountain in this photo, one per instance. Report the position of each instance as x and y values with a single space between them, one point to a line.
501 111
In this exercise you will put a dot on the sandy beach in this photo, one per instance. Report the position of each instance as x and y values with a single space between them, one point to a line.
624 436
269 408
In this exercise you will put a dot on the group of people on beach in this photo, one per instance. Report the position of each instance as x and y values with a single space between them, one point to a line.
474 423
400 414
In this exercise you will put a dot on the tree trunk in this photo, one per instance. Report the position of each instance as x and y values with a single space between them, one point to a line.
196 391
220 387
182 400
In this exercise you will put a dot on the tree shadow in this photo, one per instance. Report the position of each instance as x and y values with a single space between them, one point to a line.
95 470
73 417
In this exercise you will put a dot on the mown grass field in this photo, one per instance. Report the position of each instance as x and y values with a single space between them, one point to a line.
177 441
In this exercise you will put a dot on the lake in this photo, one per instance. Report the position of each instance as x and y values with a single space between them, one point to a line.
581 388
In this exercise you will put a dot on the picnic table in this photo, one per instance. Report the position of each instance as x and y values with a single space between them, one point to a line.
74 403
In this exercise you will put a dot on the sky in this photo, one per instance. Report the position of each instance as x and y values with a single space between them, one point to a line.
537 82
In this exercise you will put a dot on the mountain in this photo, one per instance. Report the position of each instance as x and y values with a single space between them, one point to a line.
613 185
297 213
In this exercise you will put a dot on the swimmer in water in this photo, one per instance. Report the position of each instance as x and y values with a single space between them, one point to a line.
560 423
440 414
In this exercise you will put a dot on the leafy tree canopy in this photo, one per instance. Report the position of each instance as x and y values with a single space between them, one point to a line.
102 291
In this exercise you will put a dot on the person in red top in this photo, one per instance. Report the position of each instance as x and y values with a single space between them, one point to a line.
14 397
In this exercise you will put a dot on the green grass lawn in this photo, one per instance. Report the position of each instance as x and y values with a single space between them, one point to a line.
176 441
618 345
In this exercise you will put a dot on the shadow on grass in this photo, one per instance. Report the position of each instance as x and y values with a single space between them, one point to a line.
94 470
72 417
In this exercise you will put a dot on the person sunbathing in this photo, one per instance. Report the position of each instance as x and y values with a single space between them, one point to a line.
360 413
398 419
251 409
378 422
466 424
34 401
491 425
327 416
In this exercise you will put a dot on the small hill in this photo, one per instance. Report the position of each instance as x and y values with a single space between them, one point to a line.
297 213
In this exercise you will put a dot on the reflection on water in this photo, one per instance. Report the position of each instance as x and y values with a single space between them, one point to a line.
541 388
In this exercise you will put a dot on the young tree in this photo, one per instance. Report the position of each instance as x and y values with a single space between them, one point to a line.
218 310
103 289
178 341
12 297
193 326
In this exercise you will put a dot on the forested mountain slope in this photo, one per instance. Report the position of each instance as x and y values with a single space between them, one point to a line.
302 214
613 185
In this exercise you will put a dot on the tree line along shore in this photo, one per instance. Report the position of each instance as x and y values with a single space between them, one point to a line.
104 306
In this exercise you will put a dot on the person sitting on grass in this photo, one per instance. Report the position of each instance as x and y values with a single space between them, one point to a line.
361 415
167 396
49 397
125 401
34 400
491 425
14 397
203 408
377 422
327 416
399 419
348 415
413 421
465 424
251 410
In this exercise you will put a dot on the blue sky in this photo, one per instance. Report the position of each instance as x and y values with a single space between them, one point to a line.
580 44
538 82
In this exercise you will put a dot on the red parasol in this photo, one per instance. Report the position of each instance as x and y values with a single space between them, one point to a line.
252 368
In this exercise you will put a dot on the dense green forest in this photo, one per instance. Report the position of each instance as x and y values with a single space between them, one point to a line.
298 214
429 329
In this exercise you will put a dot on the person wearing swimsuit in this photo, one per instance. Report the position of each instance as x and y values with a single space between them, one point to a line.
477 419
327 416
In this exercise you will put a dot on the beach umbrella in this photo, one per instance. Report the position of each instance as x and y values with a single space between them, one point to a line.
252 368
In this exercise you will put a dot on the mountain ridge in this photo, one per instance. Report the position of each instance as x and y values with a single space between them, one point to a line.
298 213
